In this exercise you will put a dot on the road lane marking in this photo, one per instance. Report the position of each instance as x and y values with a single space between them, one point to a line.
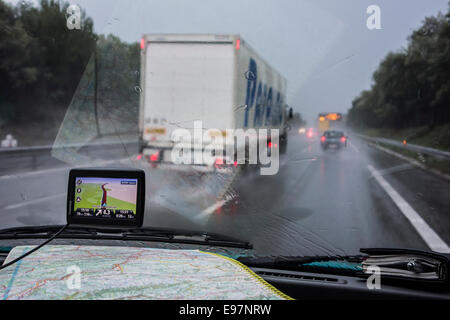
211 209
354 147
430 237
34 201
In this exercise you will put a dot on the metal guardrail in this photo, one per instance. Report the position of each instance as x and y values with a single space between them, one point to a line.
413 147
30 157
8 150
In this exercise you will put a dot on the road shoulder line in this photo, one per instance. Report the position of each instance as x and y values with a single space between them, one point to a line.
430 237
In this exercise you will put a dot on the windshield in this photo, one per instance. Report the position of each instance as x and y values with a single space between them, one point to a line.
211 99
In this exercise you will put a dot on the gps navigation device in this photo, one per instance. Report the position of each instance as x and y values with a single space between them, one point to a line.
113 197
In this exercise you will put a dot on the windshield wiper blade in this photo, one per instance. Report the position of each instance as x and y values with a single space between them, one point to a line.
143 234
189 236
183 232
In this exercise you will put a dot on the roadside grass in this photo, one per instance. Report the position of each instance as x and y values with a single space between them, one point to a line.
438 137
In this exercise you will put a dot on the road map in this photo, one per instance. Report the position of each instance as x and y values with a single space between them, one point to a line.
129 273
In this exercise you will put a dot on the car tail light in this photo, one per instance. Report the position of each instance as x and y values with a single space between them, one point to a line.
269 144
154 157
309 134
139 157
322 138
238 44
343 139
235 163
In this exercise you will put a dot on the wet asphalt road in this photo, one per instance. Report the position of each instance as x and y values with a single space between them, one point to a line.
318 203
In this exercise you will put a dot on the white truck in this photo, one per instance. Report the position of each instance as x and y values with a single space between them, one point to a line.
216 79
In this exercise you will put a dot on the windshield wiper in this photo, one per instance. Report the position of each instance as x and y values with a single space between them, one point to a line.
142 234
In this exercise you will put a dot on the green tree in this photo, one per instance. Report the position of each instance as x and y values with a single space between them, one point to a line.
410 87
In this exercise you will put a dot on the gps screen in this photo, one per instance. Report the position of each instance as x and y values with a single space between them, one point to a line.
108 198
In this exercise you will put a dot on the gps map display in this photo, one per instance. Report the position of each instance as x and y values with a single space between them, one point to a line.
107 198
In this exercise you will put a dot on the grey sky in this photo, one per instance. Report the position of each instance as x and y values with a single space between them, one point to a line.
322 47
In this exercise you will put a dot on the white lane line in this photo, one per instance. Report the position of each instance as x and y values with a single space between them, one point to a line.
211 209
430 237
34 201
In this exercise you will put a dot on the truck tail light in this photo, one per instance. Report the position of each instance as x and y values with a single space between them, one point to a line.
238 44
218 162
142 44
154 157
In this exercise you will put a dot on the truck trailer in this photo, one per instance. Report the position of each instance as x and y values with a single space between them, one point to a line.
217 82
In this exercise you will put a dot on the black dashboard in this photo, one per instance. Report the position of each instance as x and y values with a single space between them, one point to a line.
315 286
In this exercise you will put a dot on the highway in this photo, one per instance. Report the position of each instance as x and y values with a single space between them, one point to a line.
319 203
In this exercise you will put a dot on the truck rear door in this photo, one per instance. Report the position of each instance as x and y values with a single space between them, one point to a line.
185 82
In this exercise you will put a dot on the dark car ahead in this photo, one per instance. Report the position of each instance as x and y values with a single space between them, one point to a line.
333 139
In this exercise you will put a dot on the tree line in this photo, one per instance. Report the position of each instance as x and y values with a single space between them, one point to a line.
411 87
43 63
72 84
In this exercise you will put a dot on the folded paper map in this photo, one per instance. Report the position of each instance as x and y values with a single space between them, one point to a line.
107 272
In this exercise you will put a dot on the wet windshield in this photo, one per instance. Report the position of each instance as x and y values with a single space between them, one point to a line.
223 104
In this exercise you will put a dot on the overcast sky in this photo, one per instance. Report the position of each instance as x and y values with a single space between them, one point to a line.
322 47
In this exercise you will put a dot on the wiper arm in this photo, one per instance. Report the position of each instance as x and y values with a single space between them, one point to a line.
143 234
